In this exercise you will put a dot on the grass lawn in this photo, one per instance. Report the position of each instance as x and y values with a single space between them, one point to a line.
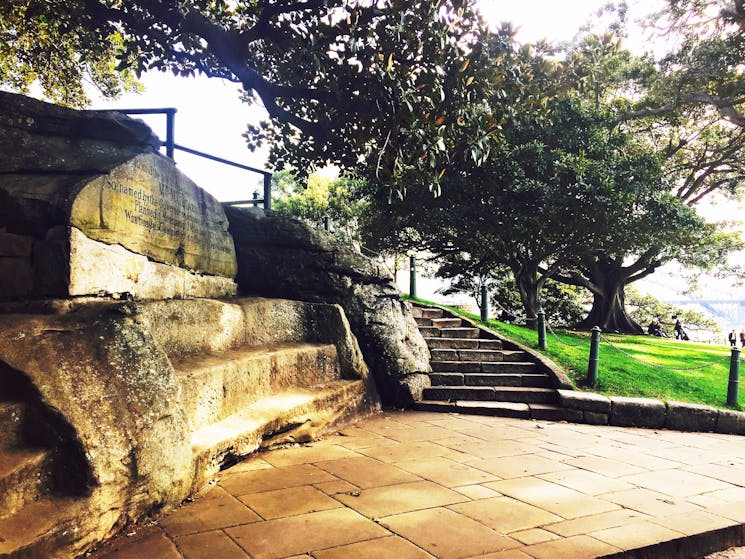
623 375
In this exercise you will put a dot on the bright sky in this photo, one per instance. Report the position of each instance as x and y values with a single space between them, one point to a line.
211 118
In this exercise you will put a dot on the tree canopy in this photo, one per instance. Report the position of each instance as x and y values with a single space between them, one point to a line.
342 80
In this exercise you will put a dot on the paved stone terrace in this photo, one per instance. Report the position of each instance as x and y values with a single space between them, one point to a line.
419 485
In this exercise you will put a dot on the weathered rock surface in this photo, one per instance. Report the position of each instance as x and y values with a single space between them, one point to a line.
281 257
148 400
88 206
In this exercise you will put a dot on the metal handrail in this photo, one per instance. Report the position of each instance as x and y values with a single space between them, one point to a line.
171 146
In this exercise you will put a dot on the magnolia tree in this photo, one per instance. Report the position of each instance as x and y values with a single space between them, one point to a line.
342 81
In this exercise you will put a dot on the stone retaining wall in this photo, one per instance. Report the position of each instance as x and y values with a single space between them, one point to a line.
597 409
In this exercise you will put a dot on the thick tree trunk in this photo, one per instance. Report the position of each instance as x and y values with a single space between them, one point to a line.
609 305
529 297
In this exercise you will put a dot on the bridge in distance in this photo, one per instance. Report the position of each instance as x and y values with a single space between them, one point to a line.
729 311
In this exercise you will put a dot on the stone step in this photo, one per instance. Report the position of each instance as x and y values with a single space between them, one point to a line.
446 322
423 321
489 379
40 529
518 367
462 343
216 386
23 478
506 379
515 355
522 394
472 333
243 432
423 312
466 354
497 409
11 423
548 412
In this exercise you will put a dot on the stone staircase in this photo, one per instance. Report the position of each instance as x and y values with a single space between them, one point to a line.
268 375
475 372
32 499
247 372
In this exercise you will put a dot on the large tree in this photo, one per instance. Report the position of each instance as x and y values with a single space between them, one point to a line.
700 155
341 80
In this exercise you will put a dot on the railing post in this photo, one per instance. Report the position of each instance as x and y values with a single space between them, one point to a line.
267 192
412 277
484 303
541 329
170 132
592 366
255 202
734 378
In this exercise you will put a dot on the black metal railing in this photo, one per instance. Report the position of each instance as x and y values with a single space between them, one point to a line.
171 146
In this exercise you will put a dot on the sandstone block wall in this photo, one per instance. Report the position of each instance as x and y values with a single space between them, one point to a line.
89 207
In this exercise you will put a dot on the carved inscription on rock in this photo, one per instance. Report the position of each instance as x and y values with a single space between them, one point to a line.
149 207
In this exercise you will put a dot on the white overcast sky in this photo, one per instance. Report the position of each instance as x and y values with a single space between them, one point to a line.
211 118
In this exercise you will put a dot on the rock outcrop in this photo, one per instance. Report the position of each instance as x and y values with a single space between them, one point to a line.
88 207
282 257
138 404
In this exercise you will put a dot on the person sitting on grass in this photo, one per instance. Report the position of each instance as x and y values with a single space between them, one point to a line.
654 328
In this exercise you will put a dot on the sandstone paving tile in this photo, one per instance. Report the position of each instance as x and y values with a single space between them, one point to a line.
496 449
217 509
305 533
551 455
519 466
283 477
336 487
572 440
650 502
150 543
695 522
475 492
289 502
685 455
561 452
593 523
410 451
603 466
366 472
631 455
509 554
646 438
505 514
727 473
446 472
423 433
587 482
392 547
706 500
636 535
209 545
552 497
576 547
533 536
251 464
734 511
447 534
731 495
306 454
457 442
677 483
358 443
377 502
